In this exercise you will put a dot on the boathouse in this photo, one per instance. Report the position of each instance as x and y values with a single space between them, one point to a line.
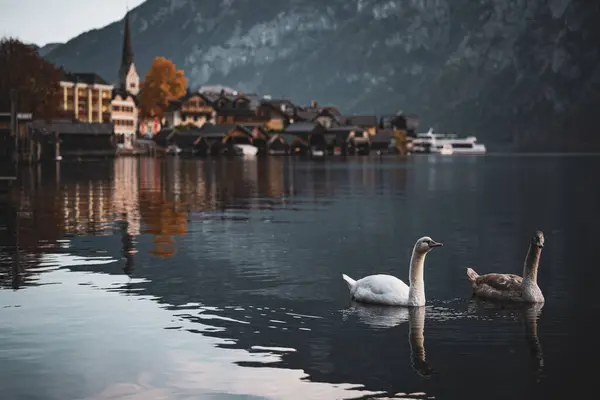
70 138
347 140
302 136
384 141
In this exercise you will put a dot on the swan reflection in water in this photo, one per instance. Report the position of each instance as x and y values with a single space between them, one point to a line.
529 313
383 317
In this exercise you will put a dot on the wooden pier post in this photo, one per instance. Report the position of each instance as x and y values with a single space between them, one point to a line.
13 126
57 156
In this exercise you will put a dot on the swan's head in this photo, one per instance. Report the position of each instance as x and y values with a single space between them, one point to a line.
538 239
425 244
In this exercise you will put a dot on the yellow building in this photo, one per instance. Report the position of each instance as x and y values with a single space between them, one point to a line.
87 96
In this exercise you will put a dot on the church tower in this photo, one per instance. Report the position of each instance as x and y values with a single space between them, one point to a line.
129 79
124 105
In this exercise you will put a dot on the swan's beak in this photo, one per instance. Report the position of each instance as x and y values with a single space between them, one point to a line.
435 244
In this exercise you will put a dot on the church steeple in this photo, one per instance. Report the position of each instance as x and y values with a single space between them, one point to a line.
127 56
128 77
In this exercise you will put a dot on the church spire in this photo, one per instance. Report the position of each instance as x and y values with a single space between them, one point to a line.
127 56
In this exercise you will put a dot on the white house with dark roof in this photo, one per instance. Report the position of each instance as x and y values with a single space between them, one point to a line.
124 97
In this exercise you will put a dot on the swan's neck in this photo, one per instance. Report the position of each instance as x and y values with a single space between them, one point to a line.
532 261
416 295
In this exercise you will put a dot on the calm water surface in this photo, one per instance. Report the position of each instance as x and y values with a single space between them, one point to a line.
185 279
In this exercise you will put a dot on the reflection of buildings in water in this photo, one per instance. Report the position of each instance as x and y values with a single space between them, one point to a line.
169 189
163 219
320 175
39 208
432 170
288 177
86 207
150 171
446 173
242 182
269 176
10 268
127 246
362 174
126 191
177 179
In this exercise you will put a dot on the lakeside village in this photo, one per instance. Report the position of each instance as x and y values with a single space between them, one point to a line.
107 120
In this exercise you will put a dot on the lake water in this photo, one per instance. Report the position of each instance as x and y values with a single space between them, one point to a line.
219 279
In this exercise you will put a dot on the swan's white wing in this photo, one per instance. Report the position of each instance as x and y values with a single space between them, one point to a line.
381 289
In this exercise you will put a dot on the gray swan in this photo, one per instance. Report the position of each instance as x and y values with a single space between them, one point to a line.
510 287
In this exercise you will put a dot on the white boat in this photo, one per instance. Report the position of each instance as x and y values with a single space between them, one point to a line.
447 150
317 152
446 144
246 149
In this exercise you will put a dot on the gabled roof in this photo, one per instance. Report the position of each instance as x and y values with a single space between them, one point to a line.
210 130
124 93
274 109
175 104
345 129
227 98
305 115
332 110
89 78
290 138
184 138
191 94
252 98
277 104
163 135
327 113
212 96
301 127
361 120
217 89
236 112
382 136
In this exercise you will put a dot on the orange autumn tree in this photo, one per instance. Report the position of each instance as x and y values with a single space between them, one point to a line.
163 82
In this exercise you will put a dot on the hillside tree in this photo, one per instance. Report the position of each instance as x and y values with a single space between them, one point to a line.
36 81
162 83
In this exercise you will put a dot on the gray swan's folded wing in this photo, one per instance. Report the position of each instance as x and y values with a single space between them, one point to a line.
502 282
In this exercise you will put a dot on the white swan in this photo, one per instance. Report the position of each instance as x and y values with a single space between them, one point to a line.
391 291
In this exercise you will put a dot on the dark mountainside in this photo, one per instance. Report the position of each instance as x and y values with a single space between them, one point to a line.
522 72
44 50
